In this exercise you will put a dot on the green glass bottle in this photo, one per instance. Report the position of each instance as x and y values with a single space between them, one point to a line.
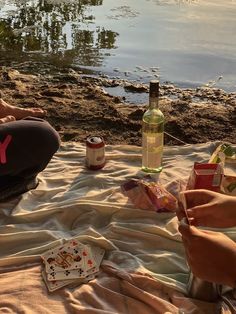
152 132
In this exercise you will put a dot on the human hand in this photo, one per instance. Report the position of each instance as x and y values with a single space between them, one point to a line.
210 255
210 209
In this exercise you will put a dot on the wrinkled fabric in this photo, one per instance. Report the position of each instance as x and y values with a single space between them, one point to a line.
144 268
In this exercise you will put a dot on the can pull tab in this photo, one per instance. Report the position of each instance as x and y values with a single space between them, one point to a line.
96 140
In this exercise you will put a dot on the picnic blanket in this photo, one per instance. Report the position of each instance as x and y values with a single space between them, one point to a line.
144 269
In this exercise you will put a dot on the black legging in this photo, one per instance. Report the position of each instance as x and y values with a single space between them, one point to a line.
26 147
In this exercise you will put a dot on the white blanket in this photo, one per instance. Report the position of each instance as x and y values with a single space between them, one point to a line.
72 201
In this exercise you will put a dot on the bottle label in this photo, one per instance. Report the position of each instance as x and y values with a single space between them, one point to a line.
152 144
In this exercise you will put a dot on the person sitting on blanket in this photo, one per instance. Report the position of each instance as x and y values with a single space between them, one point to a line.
211 255
27 144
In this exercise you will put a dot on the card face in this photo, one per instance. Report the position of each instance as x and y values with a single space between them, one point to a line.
92 257
54 285
67 274
71 262
65 257
98 254
57 284
88 257
184 203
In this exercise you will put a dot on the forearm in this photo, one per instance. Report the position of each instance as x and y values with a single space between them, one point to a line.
230 204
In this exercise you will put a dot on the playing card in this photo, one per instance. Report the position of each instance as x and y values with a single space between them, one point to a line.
67 274
88 257
98 254
64 257
92 257
71 262
54 285
57 284
184 204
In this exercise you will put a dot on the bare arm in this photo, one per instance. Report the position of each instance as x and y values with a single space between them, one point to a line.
211 255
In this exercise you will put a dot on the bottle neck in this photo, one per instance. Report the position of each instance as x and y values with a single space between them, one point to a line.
153 102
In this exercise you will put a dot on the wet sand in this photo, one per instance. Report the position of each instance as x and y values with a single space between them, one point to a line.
78 106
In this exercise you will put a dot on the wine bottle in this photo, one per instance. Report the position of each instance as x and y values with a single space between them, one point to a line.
152 132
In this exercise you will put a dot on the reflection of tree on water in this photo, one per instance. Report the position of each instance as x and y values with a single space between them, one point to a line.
56 29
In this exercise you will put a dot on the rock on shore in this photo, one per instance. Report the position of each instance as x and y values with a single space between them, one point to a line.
78 106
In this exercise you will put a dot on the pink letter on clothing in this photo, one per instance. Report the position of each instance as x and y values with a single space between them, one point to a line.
3 148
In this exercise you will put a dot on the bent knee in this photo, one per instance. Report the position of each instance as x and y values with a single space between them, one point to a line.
51 138
37 136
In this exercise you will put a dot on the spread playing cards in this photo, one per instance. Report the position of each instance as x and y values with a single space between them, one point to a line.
71 262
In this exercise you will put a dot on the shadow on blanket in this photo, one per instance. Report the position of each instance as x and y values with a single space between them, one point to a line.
144 270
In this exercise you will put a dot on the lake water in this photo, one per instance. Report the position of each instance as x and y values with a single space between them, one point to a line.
188 43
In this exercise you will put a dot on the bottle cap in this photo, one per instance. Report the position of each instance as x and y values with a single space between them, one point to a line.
154 88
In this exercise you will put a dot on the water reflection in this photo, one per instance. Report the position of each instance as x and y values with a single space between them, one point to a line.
170 2
187 42
64 29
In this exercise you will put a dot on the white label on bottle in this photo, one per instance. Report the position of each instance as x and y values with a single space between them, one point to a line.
152 150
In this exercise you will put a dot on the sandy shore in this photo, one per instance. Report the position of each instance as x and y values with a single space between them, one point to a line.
78 106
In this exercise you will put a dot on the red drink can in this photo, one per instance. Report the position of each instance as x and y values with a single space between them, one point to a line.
95 152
